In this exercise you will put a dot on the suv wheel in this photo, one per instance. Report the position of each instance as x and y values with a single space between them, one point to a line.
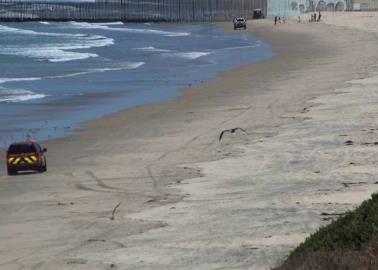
43 168
11 172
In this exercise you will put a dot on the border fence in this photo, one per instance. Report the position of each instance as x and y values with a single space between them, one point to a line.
130 10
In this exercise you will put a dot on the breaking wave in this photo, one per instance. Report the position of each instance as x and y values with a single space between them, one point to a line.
110 23
85 25
151 49
256 45
59 51
7 29
18 95
51 53
188 55
5 80
125 66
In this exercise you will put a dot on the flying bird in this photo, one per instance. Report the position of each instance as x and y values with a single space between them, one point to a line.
232 130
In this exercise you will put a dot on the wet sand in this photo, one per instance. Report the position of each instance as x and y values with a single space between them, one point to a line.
189 201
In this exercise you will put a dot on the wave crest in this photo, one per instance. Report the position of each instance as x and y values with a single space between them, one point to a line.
151 49
58 51
188 55
7 29
18 95
85 25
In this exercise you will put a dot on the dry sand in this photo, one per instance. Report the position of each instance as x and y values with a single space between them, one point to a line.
189 201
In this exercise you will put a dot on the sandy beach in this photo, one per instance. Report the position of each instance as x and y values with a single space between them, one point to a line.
190 201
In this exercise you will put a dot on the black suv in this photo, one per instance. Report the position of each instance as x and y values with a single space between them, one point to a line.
258 14
240 23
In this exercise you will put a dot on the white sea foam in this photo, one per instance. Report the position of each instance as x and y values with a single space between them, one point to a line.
151 49
18 95
156 32
188 55
6 29
44 22
56 52
66 56
20 98
5 80
85 25
258 44
170 53
130 65
125 66
110 23
48 52
135 65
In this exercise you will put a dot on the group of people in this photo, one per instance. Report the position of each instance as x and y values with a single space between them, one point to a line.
278 19
313 17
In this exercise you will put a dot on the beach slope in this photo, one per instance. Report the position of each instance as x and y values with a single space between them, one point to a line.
189 201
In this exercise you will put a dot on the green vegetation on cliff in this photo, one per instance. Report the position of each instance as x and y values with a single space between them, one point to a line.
350 242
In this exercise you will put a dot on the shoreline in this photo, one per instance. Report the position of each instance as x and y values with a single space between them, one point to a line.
229 204
72 108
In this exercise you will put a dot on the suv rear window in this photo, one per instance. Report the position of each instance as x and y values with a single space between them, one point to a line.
21 149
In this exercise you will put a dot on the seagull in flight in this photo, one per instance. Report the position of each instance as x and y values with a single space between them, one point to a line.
232 130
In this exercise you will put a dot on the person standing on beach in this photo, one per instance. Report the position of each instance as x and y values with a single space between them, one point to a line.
319 16
275 20
279 19
314 17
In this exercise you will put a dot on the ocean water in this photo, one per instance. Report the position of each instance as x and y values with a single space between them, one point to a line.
53 76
